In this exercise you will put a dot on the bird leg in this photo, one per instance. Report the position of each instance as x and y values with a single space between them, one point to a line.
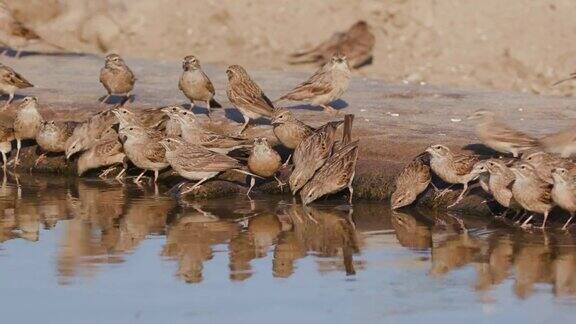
460 196
40 158
287 161
10 98
544 222
525 224
105 99
137 180
156 173
280 183
568 222
252 183
209 111
351 190
246 121
104 173
119 176
197 184
5 162
18 146
443 192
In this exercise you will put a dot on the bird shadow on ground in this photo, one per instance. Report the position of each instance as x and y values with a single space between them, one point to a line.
117 100
234 115
337 104
368 61
481 149
13 53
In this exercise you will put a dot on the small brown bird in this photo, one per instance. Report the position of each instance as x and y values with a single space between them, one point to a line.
10 81
544 163
356 43
142 147
311 154
196 85
336 174
247 96
326 85
6 138
116 77
27 123
52 137
88 133
148 118
562 143
263 161
196 163
412 181
499 183
452 168
481 170
194 133
500 137
105 152
531 192
564 192
14 35
289 130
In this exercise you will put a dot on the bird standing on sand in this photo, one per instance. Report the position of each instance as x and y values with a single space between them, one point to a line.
52 137
411 182
263 161
247 96
117 77
27 123
196 163
564 192
194 133
196 85
289 130
10 81
531 192
326 85
500 137
452 168
356 43
142 147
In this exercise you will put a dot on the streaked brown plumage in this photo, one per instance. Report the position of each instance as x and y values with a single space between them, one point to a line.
52 137
289 130
311 154
356 43
105 152
263 161
194 162
564 192
88 133
10 81
412 181
142 147
544 163
6 138
193 132
27 123
152 118
336 174
531 192
500 137
325 86
196 85
247 96
499 182
452 168
562 143
116 77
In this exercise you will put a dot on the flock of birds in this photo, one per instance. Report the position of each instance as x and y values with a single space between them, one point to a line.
158 138
539 176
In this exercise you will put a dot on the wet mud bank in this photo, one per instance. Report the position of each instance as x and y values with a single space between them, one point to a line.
394 122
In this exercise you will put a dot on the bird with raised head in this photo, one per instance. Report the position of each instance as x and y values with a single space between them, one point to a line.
27 123
117 77
196 85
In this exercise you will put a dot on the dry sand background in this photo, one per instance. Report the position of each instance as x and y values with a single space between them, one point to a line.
522 45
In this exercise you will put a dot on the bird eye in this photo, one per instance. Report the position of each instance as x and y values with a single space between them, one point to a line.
185 113
174 109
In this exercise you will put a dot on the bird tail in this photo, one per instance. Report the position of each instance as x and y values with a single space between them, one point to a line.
214 103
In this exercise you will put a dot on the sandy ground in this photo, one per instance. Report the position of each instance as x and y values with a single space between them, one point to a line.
521 45
394 121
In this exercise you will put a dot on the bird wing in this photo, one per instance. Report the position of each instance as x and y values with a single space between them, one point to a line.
108 148
546 192
463 164
18 29
14 78
249 95
209 84
505 134
317 84
155 152
200 159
